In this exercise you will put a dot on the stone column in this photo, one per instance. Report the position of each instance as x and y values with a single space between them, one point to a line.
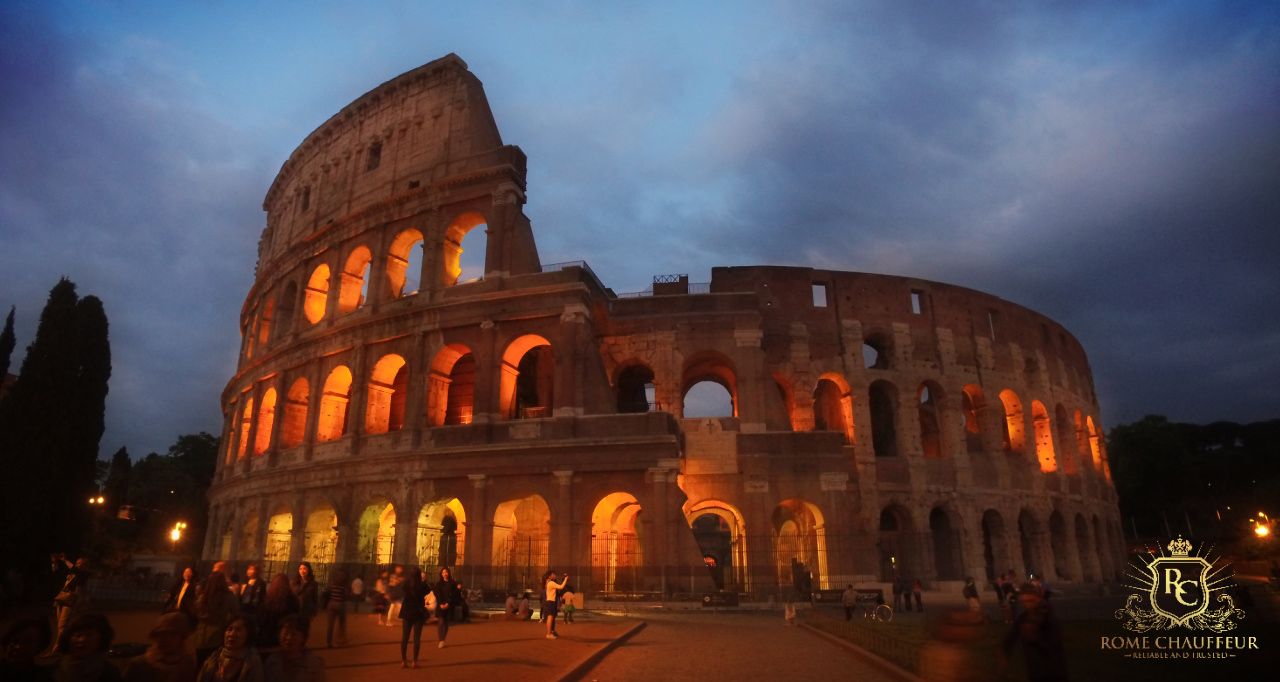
252 439
484 403
359 397
404 549
561 551
212 536
479 533
237 533
298 535
568 399
316 390
416 399
664 559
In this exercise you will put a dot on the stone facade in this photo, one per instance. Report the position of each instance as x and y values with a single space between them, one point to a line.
531 417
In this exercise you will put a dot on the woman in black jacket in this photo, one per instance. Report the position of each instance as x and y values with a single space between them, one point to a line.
448 597
412 615
307 591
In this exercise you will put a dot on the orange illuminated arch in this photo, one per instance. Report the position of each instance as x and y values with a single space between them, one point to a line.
333 405
833 405
266 420
317 294
457 231
354 278
1044 437
295 414
245 422
387 384
1014 424
398 257
451 386
264 322
521 539
726 541
799 535
517 392
617 554
442 534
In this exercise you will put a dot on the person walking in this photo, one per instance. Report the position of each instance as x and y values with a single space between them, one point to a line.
849 598
395 593
308 594
381 603
568 601
253 591
971 594
336 607
1040 635
357 591
1010 592
549 601
413 615
899 588
916 591
279 604
214 608
448 599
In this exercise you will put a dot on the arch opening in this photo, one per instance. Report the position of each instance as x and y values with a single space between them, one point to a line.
404 264
700 397
635 390
720 533
1029 537
1058 546
321 534
1044 437
617 553
946 545
279 536
376 532
1013 426
317 295
833 405
442 534
995 548
799 543
876 349
451 385
528 375
899 549
386 395
266 421
246 422
462 265
295 414
354 289
334 404
521 540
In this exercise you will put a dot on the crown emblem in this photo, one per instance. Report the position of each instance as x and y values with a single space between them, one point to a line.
1179 547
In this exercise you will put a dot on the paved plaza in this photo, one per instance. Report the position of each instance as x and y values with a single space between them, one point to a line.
650 646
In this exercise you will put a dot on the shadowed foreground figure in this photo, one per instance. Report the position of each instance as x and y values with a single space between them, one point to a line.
1040 635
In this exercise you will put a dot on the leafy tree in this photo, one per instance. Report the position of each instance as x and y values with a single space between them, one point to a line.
169 488
116 480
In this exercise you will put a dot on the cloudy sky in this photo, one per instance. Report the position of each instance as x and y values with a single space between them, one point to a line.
1114 165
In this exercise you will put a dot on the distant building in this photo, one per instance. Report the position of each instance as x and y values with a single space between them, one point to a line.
385 411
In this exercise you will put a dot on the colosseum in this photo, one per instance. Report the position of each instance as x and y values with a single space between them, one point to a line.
389 409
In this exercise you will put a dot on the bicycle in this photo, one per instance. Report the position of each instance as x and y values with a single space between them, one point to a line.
871 610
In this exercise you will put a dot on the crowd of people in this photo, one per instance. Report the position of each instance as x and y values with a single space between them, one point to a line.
225 627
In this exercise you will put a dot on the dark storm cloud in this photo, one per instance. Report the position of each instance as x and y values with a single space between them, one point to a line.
1126 188
114 181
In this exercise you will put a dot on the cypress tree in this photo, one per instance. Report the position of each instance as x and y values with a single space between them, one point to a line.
7 342
50 425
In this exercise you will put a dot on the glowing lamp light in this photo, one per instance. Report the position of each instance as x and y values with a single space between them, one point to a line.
1262 531
175 535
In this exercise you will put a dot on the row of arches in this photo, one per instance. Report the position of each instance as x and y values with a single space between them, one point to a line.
345 287
1061 440
525 391
518 551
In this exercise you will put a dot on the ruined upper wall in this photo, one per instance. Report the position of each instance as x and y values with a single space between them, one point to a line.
419 128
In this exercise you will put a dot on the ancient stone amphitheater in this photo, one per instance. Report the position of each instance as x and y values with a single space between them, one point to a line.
388 409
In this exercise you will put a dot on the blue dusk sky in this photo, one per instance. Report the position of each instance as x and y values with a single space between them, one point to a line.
1114 165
